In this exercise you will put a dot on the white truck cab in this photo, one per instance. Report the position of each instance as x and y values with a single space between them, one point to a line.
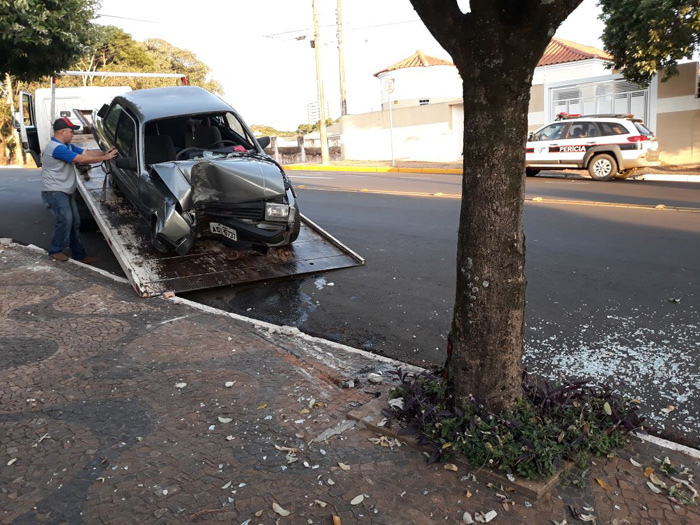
34 118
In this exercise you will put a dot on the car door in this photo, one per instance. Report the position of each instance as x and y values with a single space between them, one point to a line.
579 137
543 149
125 142
25 123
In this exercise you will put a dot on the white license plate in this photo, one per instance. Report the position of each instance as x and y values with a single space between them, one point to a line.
221 229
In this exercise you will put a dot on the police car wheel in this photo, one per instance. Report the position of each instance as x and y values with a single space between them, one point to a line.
602 167
531 172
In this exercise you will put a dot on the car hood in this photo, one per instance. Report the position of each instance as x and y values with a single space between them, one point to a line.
222 181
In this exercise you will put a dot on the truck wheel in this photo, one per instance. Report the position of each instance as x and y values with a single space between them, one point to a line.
602 167
296 228
531 172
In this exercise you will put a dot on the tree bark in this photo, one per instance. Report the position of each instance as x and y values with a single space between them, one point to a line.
19 150
496 48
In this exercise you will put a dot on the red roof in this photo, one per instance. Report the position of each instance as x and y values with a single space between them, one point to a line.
558 52
562 51
418 59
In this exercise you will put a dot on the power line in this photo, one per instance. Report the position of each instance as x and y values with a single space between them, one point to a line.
100 15
274 35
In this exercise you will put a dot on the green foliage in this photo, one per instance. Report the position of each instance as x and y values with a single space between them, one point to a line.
269 131
547 425
305 129
40 37
111 49
646 36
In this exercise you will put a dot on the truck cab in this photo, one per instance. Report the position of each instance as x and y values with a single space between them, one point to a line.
34 119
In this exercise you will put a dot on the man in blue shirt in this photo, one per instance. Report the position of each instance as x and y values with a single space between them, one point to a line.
58 185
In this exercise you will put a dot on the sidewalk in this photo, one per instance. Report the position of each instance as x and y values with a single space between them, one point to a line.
117 409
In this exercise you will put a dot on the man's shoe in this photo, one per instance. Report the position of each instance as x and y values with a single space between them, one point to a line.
89 259
59 256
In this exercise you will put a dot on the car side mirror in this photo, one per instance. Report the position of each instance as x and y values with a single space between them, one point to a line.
16 120
264 142
531 136
126 163
103 111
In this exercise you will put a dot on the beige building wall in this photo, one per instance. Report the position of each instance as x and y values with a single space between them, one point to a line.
678 117
678 134
428 133
535 113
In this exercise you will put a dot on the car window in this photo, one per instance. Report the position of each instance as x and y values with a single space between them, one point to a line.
125 135
643 130
110 121
235 124
552 132
579 130
612 128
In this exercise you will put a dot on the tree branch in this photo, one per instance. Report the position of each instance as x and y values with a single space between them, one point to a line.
444 20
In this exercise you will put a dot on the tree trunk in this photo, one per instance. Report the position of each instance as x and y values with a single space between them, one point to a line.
496 47
19 150
484 358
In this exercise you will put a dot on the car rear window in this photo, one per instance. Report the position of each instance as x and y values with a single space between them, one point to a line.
612 128
643 130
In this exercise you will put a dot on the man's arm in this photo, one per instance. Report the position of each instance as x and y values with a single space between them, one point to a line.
89 156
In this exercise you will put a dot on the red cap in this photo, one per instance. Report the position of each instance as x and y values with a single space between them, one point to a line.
64 123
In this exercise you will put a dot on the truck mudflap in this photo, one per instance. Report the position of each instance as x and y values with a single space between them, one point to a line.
209 263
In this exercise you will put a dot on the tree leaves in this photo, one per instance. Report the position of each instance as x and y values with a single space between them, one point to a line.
646 37
41 38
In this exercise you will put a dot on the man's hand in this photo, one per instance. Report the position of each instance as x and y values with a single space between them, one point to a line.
109 155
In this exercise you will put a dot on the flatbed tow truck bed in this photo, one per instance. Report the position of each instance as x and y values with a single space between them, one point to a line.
209 263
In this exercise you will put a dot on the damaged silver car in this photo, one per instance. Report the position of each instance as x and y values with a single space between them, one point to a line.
192 168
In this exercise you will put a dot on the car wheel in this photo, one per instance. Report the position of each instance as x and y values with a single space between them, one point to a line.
531 172
602 167
157 244
296 228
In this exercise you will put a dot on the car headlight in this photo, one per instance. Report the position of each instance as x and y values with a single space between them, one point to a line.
276 212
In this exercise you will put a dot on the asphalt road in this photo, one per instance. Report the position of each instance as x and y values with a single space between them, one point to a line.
603 264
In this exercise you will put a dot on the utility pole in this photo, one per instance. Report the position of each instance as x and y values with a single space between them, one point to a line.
341 63
319 82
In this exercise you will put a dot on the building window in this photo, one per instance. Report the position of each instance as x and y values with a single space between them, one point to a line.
424 101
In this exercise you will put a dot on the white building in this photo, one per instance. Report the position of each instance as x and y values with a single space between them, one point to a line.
427 117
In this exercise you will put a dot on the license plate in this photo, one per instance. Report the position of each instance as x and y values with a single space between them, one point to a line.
221 229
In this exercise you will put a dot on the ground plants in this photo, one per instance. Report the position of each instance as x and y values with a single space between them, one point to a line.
549 424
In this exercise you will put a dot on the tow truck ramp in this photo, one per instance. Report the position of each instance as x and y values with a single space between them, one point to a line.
209 263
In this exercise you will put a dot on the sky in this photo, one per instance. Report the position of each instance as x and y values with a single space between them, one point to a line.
260 51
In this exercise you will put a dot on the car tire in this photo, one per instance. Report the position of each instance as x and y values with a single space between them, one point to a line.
602 167
531 172
296 228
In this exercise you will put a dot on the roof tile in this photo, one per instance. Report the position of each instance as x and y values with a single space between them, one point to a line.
562 51
418 59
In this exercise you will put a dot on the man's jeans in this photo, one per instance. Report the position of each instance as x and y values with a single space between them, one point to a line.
65 210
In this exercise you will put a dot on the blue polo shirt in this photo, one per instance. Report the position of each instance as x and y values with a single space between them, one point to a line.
57 168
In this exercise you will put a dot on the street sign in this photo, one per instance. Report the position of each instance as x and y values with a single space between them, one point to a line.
389 85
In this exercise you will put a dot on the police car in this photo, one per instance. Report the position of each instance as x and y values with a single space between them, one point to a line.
606 145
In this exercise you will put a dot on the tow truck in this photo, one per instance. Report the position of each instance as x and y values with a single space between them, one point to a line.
209 263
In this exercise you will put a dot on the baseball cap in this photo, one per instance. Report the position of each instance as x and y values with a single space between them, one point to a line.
64 123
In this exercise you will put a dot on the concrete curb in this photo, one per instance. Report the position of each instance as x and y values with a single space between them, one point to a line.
663 177
370 169
659 177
